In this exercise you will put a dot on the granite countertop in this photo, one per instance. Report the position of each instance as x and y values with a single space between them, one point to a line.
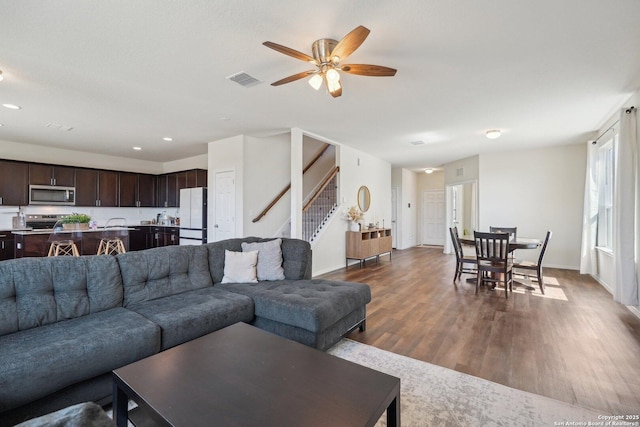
48 231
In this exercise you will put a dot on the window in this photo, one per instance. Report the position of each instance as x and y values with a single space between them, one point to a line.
606 174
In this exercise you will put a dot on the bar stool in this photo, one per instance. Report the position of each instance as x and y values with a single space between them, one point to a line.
63 243
111 239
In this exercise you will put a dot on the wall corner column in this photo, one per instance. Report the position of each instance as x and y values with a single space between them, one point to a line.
296 182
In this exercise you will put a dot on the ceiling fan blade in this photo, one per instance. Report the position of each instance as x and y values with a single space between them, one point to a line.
291 52
293 78
350 42
369 70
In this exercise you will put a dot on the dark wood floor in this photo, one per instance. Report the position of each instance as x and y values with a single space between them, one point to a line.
575 344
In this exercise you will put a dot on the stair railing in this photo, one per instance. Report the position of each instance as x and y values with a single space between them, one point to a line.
320 206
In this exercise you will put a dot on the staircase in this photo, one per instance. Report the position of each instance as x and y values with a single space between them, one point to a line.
320 208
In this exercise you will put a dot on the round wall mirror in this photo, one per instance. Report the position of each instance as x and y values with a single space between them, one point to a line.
364 198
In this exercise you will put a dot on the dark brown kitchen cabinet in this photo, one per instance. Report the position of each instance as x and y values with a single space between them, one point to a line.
168 190
107 188
146 190
96 188
52 175
163 236
6 245
192 178
138 238
14 183
86 187
137 190
128 189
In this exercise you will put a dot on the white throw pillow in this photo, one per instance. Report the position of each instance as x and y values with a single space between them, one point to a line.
240 267
269 258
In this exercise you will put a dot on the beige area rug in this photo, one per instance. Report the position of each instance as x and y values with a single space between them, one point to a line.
431 395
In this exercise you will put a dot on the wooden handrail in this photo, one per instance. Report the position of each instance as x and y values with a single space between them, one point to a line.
329 177
288 187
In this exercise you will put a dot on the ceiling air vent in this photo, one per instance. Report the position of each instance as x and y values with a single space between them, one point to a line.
244 79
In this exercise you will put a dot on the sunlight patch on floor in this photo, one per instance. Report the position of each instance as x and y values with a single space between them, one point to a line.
552 289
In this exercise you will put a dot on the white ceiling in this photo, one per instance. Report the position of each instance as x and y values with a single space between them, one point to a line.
126 73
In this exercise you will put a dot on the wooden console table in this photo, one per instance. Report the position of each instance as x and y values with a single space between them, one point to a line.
368 243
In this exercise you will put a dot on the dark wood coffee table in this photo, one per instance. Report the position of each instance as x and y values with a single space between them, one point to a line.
243 376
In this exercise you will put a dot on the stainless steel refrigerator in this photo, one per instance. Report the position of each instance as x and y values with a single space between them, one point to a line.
193 216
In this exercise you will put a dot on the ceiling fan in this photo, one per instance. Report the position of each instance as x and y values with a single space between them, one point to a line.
327 57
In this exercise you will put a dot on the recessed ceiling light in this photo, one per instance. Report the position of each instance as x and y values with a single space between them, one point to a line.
1 125
428 170
167 139
137 148
493 133
12 107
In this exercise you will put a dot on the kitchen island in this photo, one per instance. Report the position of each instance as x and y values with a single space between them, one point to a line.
35 243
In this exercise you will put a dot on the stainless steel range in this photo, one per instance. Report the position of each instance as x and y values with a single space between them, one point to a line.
43 222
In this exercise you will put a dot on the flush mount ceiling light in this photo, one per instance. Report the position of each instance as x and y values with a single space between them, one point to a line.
493 133
137 148
428 171
12 107
167 139
327 54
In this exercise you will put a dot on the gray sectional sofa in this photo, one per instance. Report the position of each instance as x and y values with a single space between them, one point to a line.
66 323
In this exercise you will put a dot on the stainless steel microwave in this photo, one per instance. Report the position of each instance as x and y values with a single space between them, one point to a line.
51 195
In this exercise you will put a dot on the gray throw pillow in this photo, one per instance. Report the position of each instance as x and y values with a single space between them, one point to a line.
269 258
240 267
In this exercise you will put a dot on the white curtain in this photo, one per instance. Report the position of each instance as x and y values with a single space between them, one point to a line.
588 262
626 207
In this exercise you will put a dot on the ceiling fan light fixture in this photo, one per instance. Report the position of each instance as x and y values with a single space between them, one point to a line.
332 75
333 85
316 81
493 133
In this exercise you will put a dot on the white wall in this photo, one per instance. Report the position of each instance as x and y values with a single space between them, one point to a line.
356 169
406 182
196 162
537 190
409 210
267 169
461 171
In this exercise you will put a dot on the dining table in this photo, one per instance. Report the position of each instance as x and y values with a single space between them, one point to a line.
518 243
514 244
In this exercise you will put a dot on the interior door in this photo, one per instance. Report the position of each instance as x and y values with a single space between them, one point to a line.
225 199
433 218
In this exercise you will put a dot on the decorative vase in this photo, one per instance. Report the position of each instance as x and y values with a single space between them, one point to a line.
353 226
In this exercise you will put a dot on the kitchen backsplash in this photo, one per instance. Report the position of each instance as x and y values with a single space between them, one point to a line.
100 215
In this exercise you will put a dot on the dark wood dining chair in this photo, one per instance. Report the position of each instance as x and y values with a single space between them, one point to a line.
513 234
512 231
461 259
494 264
537 267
